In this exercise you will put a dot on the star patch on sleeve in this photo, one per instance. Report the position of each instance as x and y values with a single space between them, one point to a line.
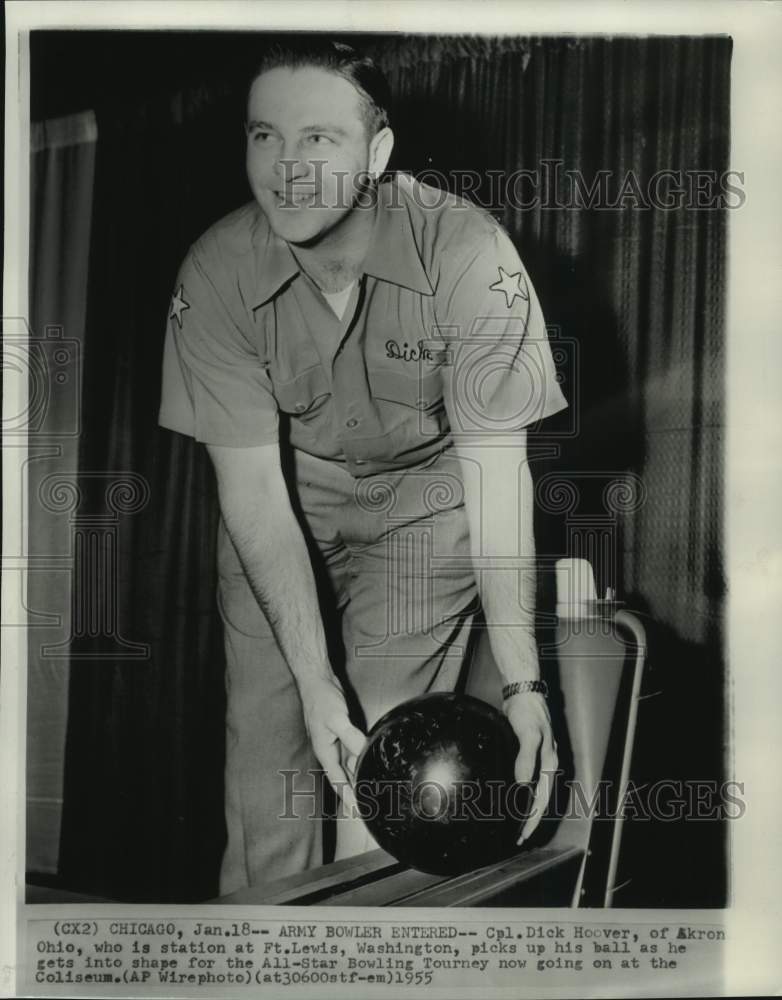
511 285
178 305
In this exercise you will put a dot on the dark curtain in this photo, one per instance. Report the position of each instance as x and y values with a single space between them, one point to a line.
637 298
143 798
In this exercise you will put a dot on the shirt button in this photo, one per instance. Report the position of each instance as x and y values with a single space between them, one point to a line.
359 461
300 407
352 422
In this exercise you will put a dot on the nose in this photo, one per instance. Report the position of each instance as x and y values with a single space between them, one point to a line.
289 164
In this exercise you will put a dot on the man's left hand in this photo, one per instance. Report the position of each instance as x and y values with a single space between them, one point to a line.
529 716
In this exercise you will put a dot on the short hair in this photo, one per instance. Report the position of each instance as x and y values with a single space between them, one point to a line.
344 60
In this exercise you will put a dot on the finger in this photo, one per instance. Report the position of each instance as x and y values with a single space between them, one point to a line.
526 759
543 790
542 794
350 736
328 757
341 785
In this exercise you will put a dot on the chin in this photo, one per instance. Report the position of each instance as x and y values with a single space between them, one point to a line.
299 227
299 234
294 225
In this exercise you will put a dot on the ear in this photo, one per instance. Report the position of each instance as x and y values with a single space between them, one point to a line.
380 151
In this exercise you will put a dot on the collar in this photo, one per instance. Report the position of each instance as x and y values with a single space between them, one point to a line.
275 265
393 255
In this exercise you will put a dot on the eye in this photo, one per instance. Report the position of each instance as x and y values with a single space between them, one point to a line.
261 136
318 139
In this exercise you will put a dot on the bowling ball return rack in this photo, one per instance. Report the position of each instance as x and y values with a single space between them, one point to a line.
593 662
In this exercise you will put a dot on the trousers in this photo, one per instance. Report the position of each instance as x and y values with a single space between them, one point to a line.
399 598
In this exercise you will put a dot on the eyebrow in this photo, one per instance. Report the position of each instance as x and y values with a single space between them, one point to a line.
336 129
308 130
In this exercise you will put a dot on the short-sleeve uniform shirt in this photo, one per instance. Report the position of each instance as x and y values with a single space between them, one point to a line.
444 336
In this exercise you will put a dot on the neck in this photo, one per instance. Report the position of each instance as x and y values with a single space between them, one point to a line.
338 257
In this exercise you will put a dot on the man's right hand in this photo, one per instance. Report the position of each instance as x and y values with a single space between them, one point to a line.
330 729
256 507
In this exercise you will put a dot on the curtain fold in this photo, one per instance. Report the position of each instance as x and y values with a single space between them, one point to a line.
61 178
635 297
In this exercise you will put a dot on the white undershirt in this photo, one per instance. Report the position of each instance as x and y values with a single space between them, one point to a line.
339 300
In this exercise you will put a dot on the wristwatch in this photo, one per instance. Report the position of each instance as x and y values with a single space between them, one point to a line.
522 687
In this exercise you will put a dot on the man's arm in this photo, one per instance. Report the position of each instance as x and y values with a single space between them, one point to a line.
256 508
499 380
498 501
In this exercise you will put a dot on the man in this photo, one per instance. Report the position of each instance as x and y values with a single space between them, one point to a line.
394 331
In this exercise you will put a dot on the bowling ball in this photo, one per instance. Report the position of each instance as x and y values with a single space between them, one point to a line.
435 785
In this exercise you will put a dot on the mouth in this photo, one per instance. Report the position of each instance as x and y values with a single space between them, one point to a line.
293 199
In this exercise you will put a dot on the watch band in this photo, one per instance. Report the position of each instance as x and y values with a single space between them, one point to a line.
522 687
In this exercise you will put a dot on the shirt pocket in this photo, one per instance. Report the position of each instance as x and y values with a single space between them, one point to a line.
411 405
304 396
419 390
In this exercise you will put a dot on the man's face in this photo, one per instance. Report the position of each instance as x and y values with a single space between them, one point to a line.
307 150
